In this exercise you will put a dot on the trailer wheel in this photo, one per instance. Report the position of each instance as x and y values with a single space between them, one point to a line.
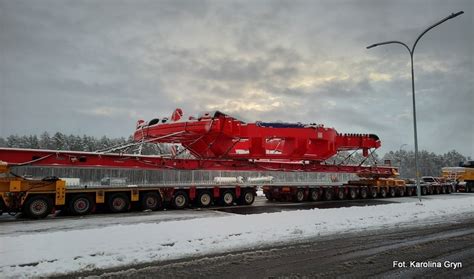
449 189
2 206
373 192
81 205
314 195
180 200
204 199
430 190
269 196
401 192
392 192
328 194
247 198
299 196
37 207
424 191
383 192
152 201
437 190
119 203
341 194
444 190
353 193
363 193
228 198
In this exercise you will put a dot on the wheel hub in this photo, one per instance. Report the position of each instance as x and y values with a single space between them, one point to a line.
151 202
248 197
228 198
81 205
205 199
38 207
179 200
118 203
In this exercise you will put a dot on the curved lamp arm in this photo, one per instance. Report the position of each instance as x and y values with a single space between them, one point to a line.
434 25
390 42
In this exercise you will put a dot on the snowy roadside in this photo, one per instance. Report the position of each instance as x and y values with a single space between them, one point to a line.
60 252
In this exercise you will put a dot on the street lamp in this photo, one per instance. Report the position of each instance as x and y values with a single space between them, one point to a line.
411 51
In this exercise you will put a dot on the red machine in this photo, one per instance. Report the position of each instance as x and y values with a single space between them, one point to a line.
221 142
218 142
220 136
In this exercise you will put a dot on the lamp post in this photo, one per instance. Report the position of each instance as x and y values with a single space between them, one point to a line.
411 51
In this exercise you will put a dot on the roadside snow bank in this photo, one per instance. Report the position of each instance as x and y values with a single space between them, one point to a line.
43 254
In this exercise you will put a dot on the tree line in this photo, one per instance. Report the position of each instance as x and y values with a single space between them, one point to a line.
60 141
430 164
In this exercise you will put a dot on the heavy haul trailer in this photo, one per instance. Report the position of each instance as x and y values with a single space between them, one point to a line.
218 142
36 198
354 189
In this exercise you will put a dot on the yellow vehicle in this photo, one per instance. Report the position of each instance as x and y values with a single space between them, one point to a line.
35 197
462 175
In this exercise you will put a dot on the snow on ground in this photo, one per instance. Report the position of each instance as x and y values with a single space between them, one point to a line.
11 225
59 252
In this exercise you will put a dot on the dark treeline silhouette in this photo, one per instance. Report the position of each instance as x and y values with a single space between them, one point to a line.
60 141
429 162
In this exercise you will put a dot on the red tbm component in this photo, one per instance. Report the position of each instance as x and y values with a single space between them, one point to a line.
221 136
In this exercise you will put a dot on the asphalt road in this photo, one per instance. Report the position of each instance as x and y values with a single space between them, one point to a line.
358 255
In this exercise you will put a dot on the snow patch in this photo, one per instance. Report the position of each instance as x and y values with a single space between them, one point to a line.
61 252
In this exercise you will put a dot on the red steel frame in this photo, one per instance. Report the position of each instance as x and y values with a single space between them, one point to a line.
54 158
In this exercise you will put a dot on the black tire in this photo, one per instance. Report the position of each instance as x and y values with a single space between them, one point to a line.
364 193
247 197
328 194
204 199
180 200
353 193
37 207
424 191
401 191
430 190
314 195
373 193
383 192
81 205
444 190
2 206
409 192
269 196
119 203
299 195
341 194
392 192
227 198
151 201
437 190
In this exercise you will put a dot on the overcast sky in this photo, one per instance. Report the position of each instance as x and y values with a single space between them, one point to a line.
96 67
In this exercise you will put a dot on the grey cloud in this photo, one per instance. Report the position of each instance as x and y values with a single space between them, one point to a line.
96 67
